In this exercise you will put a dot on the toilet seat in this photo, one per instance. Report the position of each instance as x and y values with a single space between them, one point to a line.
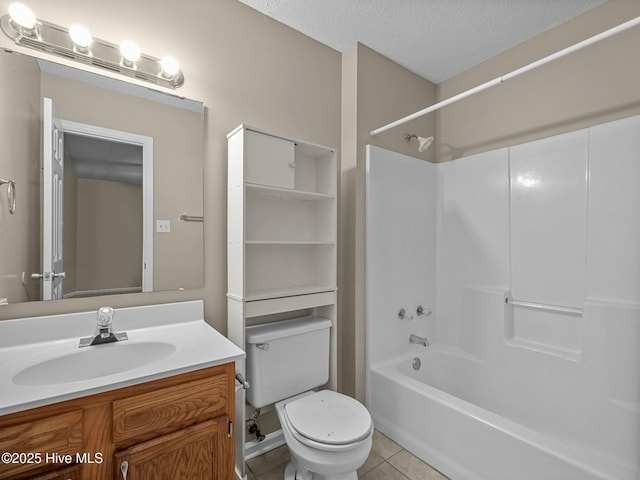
328 420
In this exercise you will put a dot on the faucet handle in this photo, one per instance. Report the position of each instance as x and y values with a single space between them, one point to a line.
423 311
105 316
402 314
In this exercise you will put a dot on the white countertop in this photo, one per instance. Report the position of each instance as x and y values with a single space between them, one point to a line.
30 341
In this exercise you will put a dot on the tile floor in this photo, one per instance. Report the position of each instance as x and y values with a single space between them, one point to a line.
387 461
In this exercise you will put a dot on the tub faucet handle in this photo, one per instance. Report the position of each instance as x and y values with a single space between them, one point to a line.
423 311
402 314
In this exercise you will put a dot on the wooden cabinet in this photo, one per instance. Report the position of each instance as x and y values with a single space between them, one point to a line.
29 443
140 417
69 473
200 452
173 428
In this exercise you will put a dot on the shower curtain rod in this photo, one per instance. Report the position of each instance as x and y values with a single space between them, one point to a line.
496 81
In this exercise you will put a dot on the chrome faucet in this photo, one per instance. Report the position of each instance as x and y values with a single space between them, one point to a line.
104 329
418 340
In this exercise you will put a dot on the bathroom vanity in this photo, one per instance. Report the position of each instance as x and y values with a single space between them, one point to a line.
172 415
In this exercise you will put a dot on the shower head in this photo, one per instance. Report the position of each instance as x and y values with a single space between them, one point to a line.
424 142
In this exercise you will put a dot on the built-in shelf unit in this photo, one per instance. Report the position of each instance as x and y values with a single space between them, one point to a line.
281 232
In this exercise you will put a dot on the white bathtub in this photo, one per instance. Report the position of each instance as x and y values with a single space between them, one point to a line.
474 421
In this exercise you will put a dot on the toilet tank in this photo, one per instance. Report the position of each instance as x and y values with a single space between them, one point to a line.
286 358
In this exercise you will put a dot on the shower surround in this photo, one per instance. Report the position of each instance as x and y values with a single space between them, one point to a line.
529 258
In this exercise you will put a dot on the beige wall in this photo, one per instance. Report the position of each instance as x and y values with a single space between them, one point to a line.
109 235
102 233
375 91
594 85
246 68
19 161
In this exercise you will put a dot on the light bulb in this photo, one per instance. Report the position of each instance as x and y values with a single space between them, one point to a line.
169 66
130 51
80 36
22 15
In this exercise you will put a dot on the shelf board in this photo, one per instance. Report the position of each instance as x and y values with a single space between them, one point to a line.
288 242
286 193
287 292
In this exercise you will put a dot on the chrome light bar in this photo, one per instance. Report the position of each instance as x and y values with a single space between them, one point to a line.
54 39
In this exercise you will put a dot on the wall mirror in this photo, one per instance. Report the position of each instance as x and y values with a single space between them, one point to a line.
108 184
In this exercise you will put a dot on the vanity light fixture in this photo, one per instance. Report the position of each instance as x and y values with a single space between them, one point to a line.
76 43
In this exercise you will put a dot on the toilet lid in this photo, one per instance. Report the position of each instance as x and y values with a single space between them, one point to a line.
329 417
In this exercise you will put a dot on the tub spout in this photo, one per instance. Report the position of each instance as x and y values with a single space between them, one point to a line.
418 340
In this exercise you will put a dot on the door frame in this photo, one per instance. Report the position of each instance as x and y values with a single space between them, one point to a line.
146 143
52 264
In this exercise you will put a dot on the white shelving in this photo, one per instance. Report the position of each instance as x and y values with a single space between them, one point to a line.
286 193
282 232
281 216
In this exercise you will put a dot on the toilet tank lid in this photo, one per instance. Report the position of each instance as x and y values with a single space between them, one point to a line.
285 328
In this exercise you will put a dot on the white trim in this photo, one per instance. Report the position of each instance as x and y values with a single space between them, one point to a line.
146 143
271 441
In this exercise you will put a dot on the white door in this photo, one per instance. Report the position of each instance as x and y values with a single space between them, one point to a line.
53 158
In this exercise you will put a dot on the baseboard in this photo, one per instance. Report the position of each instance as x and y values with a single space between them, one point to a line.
272 440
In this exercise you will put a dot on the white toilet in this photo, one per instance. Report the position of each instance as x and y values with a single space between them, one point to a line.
328 434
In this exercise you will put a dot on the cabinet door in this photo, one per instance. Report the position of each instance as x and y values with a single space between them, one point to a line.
71 473
61 434
150 415
269 160
201 452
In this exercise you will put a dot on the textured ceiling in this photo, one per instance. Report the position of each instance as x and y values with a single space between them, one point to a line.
436 39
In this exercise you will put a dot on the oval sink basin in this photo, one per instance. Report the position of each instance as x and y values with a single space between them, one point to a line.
94 362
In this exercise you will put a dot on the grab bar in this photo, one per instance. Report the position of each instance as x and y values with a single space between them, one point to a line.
544 306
